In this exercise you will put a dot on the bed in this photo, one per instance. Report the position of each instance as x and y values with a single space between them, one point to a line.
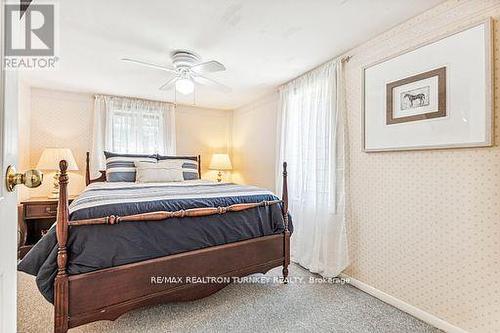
121 246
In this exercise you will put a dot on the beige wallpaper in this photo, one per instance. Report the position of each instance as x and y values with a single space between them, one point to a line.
254 142
425 225
64 119
204 131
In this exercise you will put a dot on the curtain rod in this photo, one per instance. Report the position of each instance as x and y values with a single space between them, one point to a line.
136 98
344 59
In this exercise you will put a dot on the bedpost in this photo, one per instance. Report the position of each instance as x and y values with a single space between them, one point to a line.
286 233
61 296
199 166
87 170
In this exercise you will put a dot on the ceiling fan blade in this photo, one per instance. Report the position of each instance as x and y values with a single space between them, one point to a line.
169 83
208 67
149 64
209 82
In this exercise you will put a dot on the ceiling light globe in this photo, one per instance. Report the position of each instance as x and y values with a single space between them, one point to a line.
184 86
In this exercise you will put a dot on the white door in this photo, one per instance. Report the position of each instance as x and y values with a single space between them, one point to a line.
8 200
8 204
9 103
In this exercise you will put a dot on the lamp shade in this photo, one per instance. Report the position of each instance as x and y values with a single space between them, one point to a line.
220 162
52 156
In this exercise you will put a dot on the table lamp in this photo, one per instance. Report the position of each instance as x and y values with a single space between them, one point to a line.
220 162
50 161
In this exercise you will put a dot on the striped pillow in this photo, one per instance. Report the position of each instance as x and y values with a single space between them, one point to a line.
121 167
189 165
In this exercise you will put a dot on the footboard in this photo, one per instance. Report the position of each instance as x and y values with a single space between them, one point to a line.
108 293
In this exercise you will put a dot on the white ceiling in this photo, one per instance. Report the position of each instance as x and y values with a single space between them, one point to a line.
262 43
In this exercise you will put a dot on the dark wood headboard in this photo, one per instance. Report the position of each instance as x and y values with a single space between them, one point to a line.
102 177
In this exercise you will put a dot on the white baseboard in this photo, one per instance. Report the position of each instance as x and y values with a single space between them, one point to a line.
403 306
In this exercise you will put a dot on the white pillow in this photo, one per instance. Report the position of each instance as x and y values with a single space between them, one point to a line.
172 164
157 173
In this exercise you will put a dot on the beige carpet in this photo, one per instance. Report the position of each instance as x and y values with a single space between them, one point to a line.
269 307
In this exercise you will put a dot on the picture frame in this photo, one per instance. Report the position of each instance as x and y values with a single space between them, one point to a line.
454 69
428 100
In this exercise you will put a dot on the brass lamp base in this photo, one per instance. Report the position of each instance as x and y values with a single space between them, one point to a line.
219 176
54 194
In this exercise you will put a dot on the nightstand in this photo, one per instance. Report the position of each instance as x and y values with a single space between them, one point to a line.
35 217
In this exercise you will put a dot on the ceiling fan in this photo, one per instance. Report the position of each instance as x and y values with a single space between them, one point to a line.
187 69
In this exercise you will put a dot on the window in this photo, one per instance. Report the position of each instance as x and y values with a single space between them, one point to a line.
312 142
131 126
135 133
139 126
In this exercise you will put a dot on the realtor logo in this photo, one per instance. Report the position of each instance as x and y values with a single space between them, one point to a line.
31 36
31 33
35 30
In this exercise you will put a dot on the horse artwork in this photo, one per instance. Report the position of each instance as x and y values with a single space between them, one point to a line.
415 98
418 97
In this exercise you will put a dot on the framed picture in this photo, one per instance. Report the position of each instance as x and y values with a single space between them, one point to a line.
417 97
436 95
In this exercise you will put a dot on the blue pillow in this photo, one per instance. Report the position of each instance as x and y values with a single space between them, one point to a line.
121 167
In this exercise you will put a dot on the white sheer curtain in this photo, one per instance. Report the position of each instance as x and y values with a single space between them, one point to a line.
132 126
312 141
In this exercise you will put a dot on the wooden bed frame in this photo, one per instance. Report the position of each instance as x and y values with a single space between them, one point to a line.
106 294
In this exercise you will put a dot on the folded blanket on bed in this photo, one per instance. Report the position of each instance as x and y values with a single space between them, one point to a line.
101 246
